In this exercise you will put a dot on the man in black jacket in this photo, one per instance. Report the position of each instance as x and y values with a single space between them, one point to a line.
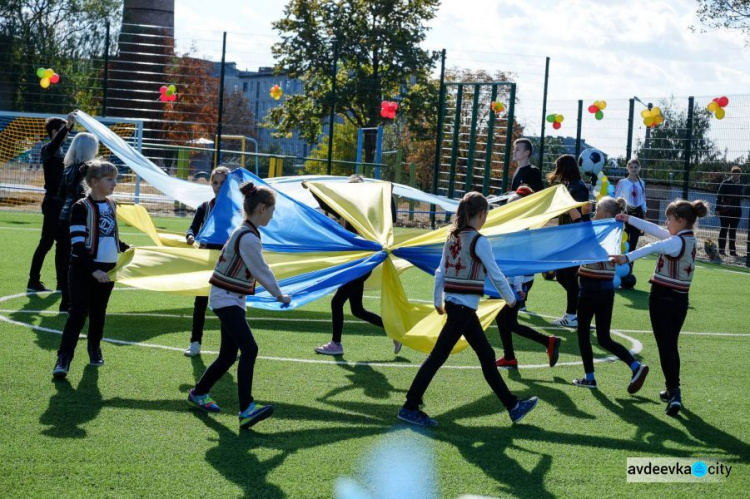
52 161
729 209
526 173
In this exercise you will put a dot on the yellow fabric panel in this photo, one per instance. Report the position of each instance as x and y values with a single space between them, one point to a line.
367 206
137 216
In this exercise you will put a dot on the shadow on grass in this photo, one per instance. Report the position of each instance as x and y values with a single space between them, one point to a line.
555 397
373 383
70 408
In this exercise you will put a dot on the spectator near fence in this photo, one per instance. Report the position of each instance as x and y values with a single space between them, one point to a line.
729 209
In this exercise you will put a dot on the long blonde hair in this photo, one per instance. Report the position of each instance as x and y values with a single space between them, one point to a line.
84 148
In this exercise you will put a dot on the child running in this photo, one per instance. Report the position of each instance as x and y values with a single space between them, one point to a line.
670 284
596 298
507 319
95 244
467 260
218 177
240 265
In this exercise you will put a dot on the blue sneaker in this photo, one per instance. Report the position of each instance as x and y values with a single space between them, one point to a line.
675 403
416 417
522 408
255 413
202 402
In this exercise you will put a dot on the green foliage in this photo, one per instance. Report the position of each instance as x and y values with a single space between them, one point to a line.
725 14
344 152
379 58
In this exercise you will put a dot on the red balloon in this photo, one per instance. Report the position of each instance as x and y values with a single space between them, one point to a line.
172 97
593 109
556 125
394 106
163 97
383 113
163 89
722 101
54 78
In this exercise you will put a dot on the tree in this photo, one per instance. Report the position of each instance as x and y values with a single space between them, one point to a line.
725 14
344 152
665 153
379 58
66 35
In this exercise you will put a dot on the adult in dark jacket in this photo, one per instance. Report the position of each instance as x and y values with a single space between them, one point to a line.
729 209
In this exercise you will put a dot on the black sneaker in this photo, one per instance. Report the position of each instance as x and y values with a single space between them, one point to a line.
674 405
585 383
95 356
522 408
37 287
636 382
62 366
665 396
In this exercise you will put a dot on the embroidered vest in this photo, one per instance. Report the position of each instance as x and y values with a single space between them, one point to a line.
604 271
677 272
231 273
464 272
92 224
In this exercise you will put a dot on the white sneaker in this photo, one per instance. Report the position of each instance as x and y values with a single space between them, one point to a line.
567 321
193 350
397 346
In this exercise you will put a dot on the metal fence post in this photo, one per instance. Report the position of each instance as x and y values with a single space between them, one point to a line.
332 114
509 136
105 80
217 154
439 137
688 147
629 148
578 128
544 116
490 143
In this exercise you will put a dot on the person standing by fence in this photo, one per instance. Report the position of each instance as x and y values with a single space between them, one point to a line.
633 189
729 209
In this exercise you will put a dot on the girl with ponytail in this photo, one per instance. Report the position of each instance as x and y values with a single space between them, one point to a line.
670 284
240 266
459 283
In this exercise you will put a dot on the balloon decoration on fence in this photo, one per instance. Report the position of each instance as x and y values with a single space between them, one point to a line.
597 109
47 77
498 107
276 92
388 109
603 187
168 93
652 117
716 107
556 120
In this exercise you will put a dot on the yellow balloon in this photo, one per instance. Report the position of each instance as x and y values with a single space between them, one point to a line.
659 119
559 118
44 82
720 114
648 121
602 105
48 73
712 106
645 113
655 110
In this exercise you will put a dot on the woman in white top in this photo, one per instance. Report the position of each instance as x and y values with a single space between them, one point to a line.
633 190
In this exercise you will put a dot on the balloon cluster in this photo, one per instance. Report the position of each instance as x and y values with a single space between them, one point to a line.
388 109
597 109
276 92
556 120
168 93
47 76
652 117
602 186
497 106
717 106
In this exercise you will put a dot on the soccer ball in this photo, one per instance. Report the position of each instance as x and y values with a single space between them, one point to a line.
549 275
592 161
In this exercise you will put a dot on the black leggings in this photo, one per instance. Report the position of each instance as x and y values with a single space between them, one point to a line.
568 279
89 298
507 323
62 260
199 318
352 291
235 336
461 320
728 226
51 213
600 305
668 309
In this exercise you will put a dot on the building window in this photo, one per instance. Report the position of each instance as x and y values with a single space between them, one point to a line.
244 87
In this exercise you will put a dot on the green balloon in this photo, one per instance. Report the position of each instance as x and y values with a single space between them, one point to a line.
599 115
40 73
551 118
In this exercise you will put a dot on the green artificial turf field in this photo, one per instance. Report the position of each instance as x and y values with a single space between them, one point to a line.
125 429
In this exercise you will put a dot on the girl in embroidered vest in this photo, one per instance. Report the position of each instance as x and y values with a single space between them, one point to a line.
95 244
668 300
633 190
218 177
596 298
507 319
567 173
83 148
467 259
352 291
240 265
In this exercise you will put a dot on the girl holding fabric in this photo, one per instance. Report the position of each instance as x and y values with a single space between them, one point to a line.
597 298
670 284
567 173
459 281
240 265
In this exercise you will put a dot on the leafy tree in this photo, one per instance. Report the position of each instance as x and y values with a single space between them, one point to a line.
344 152
66 35
725 14
379 58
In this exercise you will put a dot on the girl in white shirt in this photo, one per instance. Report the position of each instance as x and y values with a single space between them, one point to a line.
633 190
